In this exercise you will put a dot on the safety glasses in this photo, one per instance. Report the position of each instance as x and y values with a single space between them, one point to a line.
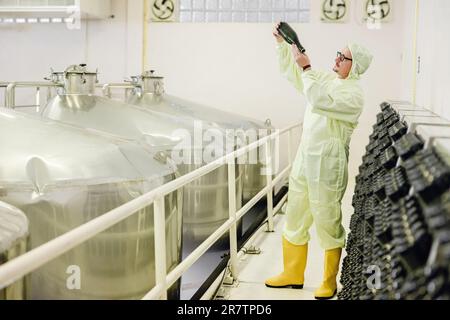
342 57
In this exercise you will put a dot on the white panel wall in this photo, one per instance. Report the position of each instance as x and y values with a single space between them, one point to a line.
424 55
433 81
430 65
441 82
408 57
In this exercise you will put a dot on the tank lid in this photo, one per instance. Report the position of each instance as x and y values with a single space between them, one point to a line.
13 226
150 74
79 69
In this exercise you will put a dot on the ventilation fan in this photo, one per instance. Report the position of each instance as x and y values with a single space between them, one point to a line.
164 10
378 10
334 11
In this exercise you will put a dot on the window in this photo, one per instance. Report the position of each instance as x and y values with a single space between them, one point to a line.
36 3
244 10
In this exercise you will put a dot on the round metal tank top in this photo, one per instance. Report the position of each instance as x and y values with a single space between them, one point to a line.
61 177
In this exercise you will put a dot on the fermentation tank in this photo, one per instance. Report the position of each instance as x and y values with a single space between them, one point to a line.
13 243
205 205
149 93
61 177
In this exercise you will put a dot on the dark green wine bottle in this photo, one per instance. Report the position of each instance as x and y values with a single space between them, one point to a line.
290 36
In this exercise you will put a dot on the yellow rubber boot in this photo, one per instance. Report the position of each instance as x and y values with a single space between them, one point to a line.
294 260
328 289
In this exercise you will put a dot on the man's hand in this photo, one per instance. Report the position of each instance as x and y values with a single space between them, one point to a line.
301 58
276 34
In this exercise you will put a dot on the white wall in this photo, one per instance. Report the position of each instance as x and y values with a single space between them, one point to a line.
433 48
29 51
408 58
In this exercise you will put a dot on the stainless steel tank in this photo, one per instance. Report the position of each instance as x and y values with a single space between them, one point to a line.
61 176
149 93
13 243
205 205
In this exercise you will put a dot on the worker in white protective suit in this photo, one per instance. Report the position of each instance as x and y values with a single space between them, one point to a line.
319 175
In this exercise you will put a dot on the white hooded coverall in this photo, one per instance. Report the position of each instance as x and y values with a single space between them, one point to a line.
319 175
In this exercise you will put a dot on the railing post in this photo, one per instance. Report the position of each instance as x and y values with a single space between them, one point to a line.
127 93
10 99
270 185
232 213
38 98
49 94
106 90
160 245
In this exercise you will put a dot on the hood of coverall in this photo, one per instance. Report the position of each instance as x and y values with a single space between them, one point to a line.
362 59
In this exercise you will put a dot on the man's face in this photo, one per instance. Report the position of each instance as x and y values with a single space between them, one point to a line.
343 65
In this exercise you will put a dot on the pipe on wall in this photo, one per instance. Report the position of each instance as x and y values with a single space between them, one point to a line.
145 35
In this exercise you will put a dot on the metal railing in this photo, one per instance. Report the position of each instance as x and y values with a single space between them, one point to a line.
10 93
34 259
106 88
